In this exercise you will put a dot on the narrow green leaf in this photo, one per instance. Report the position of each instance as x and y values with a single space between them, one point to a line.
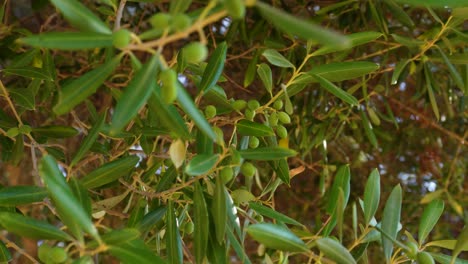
268 212
68 207
30 227
24 59
135 95
217 96
219 210
135 251
267 153
173 240
79 89
121 236
55 131
446 243
5 255
356 39
167 114
444 259
435 3
390 220
429 197
204 144
408 42
336 91
217 253
189 107
429 218
275 58
276 237
81 194
167 179
201 222
249 128
337 72
368 129
109 172
265 74
214 68
281 169
301 28
151 218
80 16
201 164
462 243
398 13
89 140
399 67
24 97
371 196
339 213
237 246
456 77
430 90
335 251
137 213
68 40
343 181
29 72
249 76
17 195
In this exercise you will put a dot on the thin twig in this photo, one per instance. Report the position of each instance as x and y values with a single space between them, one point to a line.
119 14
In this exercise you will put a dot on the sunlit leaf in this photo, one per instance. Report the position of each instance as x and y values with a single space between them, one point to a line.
371 196
390 220
275 58
265 74
25 194
249 128
201 164
399 67
276 237
219 210
267 153
109 172
335 251
214 68
336 91
55 131
68 40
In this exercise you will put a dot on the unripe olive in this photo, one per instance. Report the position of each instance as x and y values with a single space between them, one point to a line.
180 22
219 135
284 118
249 114
273 119
281 131
195 52
259 218
58 255
25 129
168 79
235 8
425 258
253 105
12 132
239 105
43 252
160 21
254 142
189 227
278 104
226 174
248 169
121 38
412 250
210 111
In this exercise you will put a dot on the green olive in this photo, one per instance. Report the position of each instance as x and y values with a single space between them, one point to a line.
273 119
239 105
284 118
425 258
412 250
58 255
281 131
121 38
25 129
160 21
210 111
278 104
253 105
254 142
189 227
195 52
249 114
180 22
235 8
226 174
168 79
12 132
43 252
248 169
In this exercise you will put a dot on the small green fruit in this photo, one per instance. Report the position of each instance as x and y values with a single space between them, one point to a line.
253 105
195 52
226 174
168 79
273 119
254 142
413 250
43 252
281 131
278 104
121 38
235 8
189 227
248 169
249 114
25 129
425 258
210 111
12 132
58 255
180 22
160 21
239 105
284 118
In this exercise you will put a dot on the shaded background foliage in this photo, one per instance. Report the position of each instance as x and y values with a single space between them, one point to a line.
419 142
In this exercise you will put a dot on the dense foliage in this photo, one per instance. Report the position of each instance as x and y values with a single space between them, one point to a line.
233 131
